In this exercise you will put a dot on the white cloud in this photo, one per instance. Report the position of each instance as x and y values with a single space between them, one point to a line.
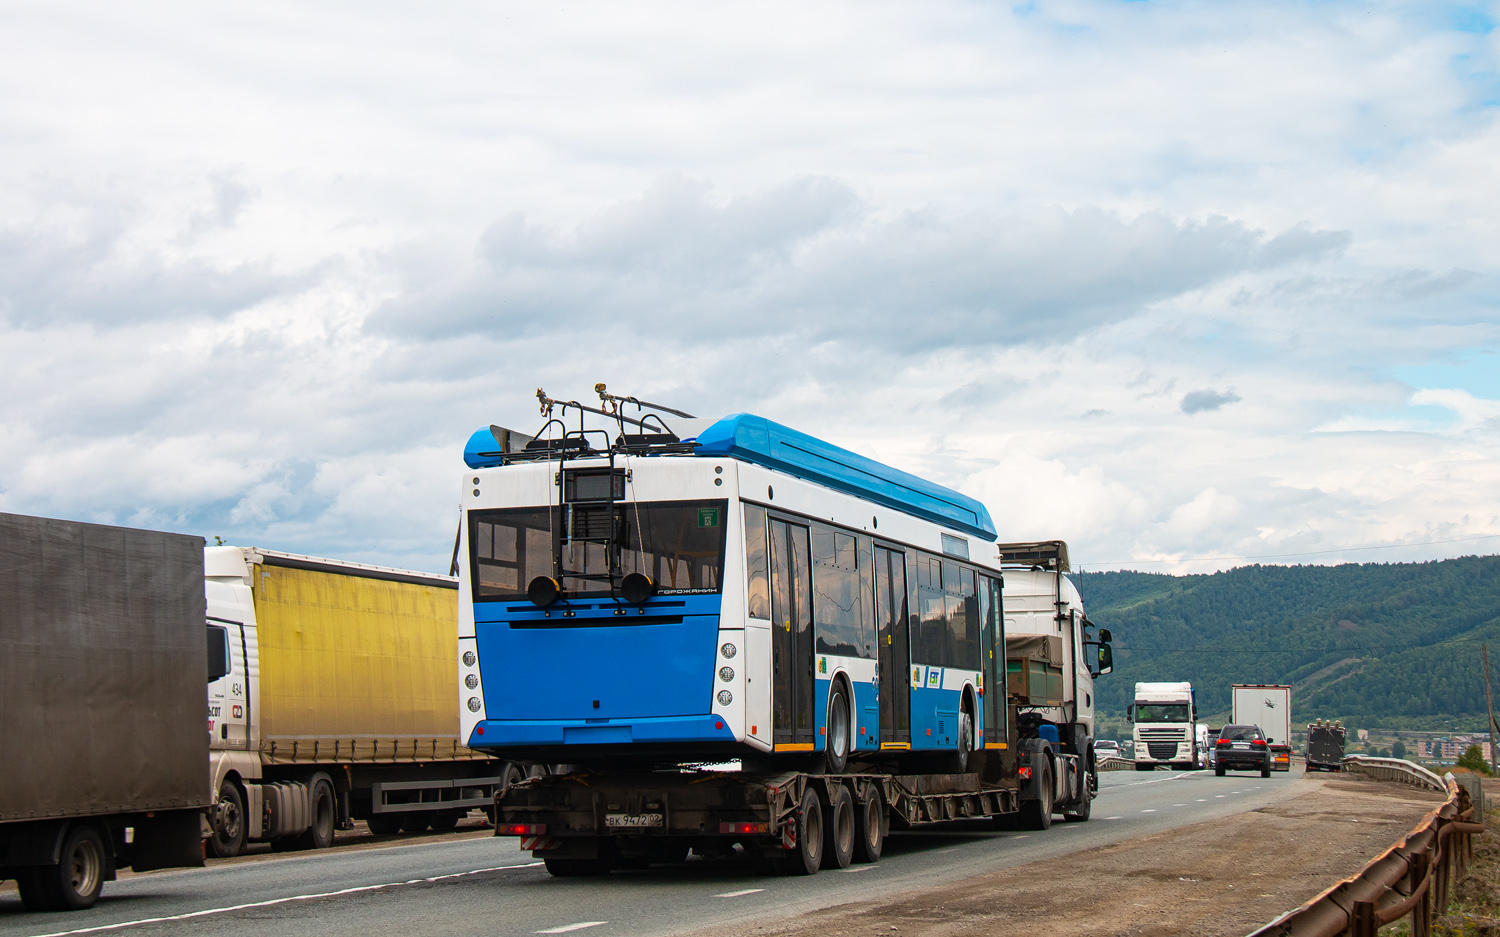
263 269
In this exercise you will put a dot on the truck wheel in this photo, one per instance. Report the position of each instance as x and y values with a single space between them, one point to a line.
74 883
806 857
1218 771
1037 814
1144 767
869 831
384 824
839 832
1080 812
447 819
572 868
227 838
836 748
319 835
417 821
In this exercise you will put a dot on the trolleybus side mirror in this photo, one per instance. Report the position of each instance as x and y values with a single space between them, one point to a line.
543 591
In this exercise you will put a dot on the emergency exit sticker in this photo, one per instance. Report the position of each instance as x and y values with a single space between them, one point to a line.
708 517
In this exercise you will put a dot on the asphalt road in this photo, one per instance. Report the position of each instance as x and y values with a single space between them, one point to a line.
487 886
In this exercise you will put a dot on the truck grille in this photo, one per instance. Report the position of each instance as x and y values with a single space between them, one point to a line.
1161 751
1163 735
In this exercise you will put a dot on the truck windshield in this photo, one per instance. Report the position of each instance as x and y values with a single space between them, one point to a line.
679 544
1161 712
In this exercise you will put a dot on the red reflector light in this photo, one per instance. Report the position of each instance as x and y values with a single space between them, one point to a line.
480 730
520 829
718 725
744 829
1025 772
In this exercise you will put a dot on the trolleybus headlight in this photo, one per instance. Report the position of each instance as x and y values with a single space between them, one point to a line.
636 588
726 674
725 697
474 704
543 591
472 681
728 651
469 658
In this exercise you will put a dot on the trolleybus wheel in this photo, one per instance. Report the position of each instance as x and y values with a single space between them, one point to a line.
869 815
836 749
806 857
839 833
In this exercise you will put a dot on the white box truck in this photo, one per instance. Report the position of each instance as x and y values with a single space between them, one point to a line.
1165 716
1268 705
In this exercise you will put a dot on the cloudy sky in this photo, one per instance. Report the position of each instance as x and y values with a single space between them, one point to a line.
1168 280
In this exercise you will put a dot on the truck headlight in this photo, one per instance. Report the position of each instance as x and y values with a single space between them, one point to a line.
474 704
469 658
726 674
472 681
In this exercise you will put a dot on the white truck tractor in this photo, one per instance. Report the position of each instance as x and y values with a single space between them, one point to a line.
1165 716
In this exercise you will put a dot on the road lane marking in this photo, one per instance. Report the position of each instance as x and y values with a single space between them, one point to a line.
1149 810
739 894
571 927
189 915
1170 777
858 868
1114 818
1202 800
1179 805
1219 795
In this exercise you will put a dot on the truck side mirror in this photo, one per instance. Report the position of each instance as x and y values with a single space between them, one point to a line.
1105 636
218 653
1130 713
1106 659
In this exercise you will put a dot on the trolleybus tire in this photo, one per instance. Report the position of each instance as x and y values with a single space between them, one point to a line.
836 748
1037 814
869 826
839 828
806 857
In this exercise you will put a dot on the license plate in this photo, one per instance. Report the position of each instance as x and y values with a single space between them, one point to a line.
1241 744
632 821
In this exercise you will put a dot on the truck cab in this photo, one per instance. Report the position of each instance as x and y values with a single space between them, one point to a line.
1165 716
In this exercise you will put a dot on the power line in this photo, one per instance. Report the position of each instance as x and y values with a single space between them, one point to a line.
1282 556
1218 648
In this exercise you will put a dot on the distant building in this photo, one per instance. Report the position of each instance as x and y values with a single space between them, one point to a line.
1449 749
1364 734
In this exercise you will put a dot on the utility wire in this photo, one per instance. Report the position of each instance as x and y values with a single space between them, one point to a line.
1282 556
1299 650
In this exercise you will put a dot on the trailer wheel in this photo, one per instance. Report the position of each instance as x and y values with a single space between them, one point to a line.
416 821
836 749
806 857
74 883
319 834
446 820
839 832
869 816
1037 814
227 839
384 824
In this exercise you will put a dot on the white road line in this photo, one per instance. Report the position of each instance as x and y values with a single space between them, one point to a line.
571 927
1114 818
858 868
739 894
1171 777
1179 805
1202 800
1219 795
275 901
1149 810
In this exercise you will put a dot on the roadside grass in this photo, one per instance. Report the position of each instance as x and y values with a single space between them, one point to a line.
1474 902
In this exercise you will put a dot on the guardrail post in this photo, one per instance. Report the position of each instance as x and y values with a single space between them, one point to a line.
1421 915
1362 921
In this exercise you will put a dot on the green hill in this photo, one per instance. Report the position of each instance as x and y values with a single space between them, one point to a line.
1378 644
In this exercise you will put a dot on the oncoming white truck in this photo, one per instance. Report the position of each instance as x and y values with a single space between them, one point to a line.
1165 717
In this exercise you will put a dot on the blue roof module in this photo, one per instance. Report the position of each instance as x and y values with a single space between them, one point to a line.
763 442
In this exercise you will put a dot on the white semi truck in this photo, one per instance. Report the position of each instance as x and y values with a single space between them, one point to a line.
1165 716
1269 706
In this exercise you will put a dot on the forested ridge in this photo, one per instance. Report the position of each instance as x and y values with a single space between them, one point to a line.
1374 643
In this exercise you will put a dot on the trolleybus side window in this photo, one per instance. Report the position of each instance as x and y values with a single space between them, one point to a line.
511 548
838 614
929 643
757 588
962 605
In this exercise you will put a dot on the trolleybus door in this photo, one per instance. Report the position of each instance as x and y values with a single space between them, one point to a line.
891 637
792 642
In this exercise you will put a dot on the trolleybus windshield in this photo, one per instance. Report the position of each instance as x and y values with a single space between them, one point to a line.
679 544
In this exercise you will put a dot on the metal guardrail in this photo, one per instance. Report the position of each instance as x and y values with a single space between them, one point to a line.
1114 763
1394 769
1412 877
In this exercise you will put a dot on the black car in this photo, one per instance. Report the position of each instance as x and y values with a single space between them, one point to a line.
1242 748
